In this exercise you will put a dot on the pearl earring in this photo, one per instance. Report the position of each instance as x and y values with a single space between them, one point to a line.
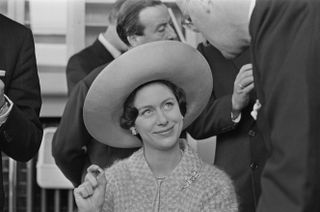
133 131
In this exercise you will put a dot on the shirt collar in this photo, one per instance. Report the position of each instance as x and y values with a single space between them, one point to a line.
252 5
113 50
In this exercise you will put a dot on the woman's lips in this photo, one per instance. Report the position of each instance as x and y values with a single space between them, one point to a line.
165 131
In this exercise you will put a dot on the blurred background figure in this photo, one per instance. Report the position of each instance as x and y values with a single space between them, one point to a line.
20 100
104 49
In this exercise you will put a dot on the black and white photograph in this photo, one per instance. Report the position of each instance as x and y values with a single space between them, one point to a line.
160 105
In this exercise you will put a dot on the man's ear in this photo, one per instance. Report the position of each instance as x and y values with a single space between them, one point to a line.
133 40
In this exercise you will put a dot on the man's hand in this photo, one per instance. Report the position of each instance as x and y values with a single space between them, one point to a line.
2 99
243 85
89 196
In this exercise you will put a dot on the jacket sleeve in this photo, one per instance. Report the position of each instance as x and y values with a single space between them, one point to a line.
214 119
75 71
71 137
21 134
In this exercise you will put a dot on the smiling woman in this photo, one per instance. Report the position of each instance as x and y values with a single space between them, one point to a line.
158 122
145 108
152 100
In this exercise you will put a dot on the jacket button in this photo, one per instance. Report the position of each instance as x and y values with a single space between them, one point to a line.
252 133
254 166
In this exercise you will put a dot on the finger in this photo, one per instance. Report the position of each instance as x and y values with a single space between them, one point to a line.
245 68
92 179
88 188
246 81
77 194
245 74
101 178
248 88
82 191
1 86
95 170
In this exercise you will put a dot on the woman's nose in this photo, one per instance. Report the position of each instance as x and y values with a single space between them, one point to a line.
162 119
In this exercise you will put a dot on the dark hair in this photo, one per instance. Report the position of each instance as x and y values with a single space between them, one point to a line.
115 8
130 113
128 22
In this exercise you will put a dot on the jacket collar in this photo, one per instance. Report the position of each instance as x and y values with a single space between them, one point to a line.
181 177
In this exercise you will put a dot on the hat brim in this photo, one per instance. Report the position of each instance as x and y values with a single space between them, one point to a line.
174 61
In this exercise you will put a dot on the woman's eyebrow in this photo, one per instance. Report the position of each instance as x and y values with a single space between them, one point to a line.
150 106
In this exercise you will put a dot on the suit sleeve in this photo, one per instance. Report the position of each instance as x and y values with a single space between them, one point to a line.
21 134
75 72
215 118
71 137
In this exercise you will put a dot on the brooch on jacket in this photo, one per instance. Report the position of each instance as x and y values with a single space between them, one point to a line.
189 179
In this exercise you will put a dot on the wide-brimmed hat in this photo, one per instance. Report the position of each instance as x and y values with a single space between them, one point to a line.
173 61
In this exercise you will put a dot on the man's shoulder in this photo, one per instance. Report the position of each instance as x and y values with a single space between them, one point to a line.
7 22
93 74
83 85
12 28
88 51
83 53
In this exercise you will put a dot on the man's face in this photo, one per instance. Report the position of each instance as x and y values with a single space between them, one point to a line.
156 21
220 22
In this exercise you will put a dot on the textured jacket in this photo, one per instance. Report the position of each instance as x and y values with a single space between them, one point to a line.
192 186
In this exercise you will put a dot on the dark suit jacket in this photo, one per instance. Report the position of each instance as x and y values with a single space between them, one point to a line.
73 148
83 62
286 51
240 149
21 134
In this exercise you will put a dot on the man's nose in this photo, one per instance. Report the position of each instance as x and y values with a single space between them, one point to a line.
171 34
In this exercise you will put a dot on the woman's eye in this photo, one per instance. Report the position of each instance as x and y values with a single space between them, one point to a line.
146 113
168 105
186 20
161 29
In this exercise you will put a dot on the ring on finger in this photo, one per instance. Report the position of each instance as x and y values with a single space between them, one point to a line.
240 85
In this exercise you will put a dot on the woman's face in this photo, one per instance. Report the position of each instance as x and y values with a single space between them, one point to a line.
159 120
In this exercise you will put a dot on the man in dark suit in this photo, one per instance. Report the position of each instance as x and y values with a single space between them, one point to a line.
20 100
240 150
104 49
73 148
285 49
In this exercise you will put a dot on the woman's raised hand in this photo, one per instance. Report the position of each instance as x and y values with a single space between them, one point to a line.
89 196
